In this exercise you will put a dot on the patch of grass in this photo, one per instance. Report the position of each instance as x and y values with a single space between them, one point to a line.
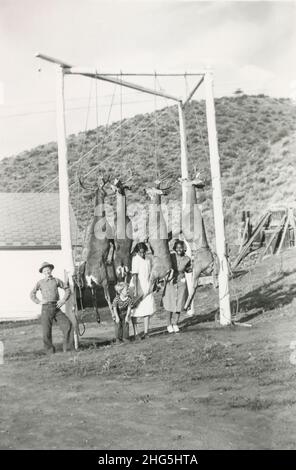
253 404
214 351
106 361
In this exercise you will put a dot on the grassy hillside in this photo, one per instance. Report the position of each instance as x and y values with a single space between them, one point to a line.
257 150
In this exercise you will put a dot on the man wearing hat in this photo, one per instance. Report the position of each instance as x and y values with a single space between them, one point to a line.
51 307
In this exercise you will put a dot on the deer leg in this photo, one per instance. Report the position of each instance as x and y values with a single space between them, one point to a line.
190 299
80 332
152 282
107 296
135 326
166 280
112 250
81 270
195 285
127 276
94 300
110 256
215 274
168 277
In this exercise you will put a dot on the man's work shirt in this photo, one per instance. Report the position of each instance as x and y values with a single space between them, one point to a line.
49 290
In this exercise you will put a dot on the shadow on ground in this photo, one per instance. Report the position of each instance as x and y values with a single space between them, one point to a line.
269 296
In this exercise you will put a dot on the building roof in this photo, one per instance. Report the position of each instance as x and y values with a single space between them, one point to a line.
31 220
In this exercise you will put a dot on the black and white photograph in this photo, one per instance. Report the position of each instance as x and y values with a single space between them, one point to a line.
147 228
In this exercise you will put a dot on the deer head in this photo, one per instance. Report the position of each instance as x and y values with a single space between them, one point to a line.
157 190
197 181
99 188
119 186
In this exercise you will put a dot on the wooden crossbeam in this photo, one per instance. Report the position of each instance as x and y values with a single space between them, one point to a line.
244 234
276 233
292 222
53 60
246 247
64 68
91 73
283 235
194 90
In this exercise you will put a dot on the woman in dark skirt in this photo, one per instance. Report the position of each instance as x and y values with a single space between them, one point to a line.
176 292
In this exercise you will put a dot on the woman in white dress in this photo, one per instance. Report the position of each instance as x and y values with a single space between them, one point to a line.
141 269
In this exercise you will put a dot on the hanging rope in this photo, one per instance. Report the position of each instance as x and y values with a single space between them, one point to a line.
198 125
143 129
82 142
108 137
121 114
97 116
105 139
170 109
186 86
86 120
186 94
155 133
80 321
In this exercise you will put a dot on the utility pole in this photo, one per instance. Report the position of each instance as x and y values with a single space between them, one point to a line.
224 298
184 175
64 198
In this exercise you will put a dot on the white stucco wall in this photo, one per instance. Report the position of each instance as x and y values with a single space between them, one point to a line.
19 271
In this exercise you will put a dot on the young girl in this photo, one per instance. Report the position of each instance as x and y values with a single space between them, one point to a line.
176 292
141 269
122 305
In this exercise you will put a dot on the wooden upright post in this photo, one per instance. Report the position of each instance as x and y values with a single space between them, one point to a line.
224 298
184 175
183 144
293 224
64 198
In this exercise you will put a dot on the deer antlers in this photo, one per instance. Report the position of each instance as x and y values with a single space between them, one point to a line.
197 180
101 182
94 189
120 185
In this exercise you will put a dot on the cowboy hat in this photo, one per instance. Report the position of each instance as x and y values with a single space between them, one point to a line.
46 265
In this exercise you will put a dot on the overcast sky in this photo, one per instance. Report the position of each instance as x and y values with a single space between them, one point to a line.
250 45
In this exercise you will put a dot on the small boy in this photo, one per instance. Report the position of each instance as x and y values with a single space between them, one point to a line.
50 309
122 306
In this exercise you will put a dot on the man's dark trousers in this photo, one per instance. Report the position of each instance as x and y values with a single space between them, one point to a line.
49 313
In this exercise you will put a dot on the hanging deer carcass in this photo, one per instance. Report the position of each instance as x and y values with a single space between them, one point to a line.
98 242
194 232
123 233
158 239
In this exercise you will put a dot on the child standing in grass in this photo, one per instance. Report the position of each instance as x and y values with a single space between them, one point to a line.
122 307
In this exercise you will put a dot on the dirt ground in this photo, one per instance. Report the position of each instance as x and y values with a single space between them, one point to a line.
207 387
